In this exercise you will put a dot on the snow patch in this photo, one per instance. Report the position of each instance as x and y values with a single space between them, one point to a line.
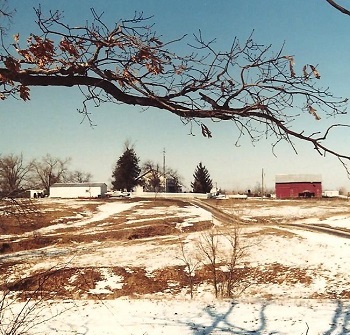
109 282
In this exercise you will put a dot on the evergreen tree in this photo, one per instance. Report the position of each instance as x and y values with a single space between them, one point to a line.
202 182
126 170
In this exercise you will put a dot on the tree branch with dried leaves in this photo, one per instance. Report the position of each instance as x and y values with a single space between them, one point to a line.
259 91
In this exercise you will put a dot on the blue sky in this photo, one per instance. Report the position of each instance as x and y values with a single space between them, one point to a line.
49 123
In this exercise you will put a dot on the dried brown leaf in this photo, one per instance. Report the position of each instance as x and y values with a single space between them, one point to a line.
68 47
315 72
291 65
16 37
305 74
24 92
312 111
12 64
205 131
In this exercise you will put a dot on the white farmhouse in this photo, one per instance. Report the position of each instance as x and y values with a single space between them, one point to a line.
78 190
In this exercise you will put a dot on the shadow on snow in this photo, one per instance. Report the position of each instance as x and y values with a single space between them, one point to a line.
259 321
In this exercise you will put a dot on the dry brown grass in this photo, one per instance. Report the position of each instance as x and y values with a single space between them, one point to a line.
266 231
29 216
115 228
78 281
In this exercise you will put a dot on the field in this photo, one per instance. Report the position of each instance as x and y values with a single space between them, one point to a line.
117 266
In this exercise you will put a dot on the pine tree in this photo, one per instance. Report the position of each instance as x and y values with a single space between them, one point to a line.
126 170
202 182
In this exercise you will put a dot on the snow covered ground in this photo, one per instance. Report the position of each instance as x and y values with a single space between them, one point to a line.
309 296
197 317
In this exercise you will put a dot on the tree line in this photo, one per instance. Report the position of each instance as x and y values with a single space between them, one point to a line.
128 173
17 175
249 84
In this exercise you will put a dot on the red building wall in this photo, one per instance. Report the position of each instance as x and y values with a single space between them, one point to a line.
292 190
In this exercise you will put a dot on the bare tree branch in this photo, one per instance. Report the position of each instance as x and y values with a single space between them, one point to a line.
13 174
6 15
338 7
257 89
49 170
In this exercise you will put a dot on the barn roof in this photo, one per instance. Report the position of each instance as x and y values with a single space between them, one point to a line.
78 185
298 178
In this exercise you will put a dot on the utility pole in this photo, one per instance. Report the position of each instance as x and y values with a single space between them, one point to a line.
262 183
164 170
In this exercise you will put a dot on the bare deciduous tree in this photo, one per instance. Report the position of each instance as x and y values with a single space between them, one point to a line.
208 247
154 181
258 90
222 251
13 173
151 176
232 284
176 180
78 176
50 170
191 264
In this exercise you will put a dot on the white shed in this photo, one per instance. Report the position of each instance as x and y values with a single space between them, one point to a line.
78 190
330 194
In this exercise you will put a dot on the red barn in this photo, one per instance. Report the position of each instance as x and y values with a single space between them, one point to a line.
298 186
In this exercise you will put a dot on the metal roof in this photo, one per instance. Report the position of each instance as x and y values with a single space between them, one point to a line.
298 178
78 185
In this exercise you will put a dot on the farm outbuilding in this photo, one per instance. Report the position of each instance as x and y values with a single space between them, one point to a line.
35 193
330 194
78 190
298 186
